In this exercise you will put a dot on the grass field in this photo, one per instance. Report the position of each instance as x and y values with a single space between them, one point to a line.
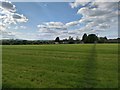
60 66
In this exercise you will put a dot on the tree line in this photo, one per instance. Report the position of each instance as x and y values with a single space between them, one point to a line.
91 38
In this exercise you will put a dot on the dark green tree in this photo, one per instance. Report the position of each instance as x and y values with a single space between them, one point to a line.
84 38
91 38
102 40
71 40
57 39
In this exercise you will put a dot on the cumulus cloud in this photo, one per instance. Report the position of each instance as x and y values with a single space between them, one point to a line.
7 35
79 3
52 29
9 15
2 27
45 30
103 26
7 5
19 27
57 25
97 14
87 12
49 30
19 18
23 27
53 25
72 23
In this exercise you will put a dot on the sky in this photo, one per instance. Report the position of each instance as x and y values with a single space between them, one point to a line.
48 20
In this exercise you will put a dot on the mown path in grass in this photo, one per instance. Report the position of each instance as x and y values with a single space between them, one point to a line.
60 66
90 78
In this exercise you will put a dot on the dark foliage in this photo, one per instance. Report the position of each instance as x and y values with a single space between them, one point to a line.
57 39
84 38
91 38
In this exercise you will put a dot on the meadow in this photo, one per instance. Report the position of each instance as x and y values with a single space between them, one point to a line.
60 66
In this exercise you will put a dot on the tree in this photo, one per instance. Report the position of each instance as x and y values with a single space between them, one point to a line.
71 40
57 39
102 39
91 38
84 38
105 38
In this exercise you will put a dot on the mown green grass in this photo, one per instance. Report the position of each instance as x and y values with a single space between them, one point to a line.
60 66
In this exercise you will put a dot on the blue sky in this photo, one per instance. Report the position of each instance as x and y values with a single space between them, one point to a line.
39 12
48 20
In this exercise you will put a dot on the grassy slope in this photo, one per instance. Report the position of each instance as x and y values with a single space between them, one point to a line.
60 66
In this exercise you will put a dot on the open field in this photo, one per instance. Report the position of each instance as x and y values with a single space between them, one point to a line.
60 66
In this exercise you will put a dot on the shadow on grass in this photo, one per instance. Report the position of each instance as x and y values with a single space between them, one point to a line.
90 75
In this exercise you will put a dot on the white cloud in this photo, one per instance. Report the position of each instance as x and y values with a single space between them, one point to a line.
9 15
2 27
87 12
72 23
18 27
23 27
97 15
7 5
51 30
19 18
45 30
79 3
52 25
7 35
103 26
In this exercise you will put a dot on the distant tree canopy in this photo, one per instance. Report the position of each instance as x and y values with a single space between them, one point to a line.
71 40
91 38
84 38
26 42
102 40
57 39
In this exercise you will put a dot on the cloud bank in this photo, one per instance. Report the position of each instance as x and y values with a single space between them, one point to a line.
9 16
97 14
